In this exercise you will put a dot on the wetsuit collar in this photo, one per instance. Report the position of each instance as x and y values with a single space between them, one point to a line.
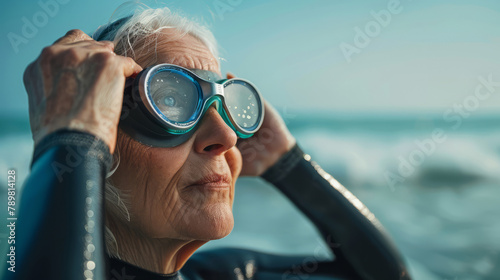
124 270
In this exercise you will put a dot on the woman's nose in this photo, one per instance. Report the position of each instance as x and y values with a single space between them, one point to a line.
214 136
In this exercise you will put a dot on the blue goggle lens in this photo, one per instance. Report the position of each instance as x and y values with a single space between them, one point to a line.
241 101
175 96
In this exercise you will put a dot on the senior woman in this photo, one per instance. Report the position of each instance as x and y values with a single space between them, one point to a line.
147 91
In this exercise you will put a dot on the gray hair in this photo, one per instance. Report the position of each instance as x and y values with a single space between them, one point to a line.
131 34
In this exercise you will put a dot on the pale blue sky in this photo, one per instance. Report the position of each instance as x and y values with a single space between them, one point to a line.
428 57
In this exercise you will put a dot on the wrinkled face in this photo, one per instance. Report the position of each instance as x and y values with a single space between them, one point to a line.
185 192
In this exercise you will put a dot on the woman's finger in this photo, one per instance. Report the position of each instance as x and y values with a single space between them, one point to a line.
130 67
73 35
230 75
108 44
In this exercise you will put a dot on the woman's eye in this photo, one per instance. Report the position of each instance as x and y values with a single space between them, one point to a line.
175 104
169 101
167 98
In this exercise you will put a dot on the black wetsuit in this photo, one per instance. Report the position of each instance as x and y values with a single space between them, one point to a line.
60 227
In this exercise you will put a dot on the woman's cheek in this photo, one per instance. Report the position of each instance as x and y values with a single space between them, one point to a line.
234 160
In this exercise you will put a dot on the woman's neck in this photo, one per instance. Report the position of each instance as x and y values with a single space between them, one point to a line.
162 256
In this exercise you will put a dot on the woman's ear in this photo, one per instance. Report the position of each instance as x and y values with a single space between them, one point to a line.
230 76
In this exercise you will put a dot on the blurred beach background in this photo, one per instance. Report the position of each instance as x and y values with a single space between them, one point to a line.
403 110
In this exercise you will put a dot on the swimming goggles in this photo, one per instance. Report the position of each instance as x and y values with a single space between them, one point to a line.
163 104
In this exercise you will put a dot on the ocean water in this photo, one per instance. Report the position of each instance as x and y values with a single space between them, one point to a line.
442 211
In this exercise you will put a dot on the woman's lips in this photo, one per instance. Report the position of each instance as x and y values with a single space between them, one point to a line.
214 181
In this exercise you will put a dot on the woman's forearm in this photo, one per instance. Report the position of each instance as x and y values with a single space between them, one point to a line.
347 226
59 231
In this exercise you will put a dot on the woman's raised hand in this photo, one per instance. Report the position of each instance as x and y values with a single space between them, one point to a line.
77 83
265 147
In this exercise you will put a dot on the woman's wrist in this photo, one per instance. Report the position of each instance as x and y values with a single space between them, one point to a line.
75 140
275 157
284 164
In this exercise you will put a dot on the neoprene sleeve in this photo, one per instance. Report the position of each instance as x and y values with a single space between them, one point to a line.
347 226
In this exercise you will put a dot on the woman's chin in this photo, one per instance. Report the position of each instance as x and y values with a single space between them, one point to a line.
213 222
